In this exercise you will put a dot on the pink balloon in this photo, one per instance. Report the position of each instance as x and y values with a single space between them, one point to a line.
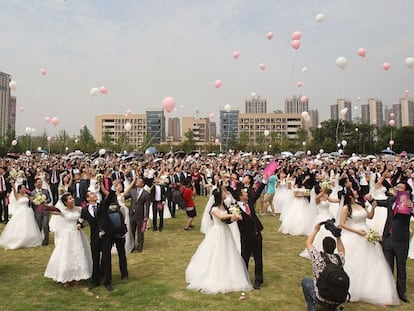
362 52
296 35
269 35
216 140
218 84
303 99
386 66
392 115
127 115
236 54
47 119
21 109
168 103
300 83
43 71
296 44
103 90
14 142
262 66
391 123
129 111
55 121
211 115
359 98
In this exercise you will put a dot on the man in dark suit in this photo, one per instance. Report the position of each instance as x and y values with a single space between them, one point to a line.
97 216
79 189
41 213
158 196
169 192
54 180
138 211
396 239
117 174
5 189
250 232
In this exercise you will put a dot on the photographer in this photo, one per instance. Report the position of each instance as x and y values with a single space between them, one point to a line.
319 263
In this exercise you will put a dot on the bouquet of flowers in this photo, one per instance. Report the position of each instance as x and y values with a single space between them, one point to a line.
39 199
13 175
326 185
234 209
99 178
306 192
372 236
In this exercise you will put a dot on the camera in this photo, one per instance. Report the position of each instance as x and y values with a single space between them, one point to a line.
330 225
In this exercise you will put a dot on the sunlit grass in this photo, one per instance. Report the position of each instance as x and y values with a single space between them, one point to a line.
156 277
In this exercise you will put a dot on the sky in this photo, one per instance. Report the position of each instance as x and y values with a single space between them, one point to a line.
145 50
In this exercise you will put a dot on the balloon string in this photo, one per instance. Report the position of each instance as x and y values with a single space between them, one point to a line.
291 75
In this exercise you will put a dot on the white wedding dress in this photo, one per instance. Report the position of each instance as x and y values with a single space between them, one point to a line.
381 212
371 279
22 230
217 266
71 259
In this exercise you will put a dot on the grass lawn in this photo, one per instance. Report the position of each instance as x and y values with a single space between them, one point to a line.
156 277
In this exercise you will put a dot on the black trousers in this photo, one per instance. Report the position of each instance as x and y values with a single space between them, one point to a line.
253 245
120 247
55 193
156 212
397 250
136 225
101 261
4 207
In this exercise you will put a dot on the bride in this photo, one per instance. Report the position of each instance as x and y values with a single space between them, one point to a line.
371 279
22 230
217 266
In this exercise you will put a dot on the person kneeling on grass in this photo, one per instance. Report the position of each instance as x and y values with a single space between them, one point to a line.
330 284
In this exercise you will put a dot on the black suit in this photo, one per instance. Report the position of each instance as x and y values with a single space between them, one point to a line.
169 191
396 240
155 203
138 213
79 194
54 180
4 202
251 237
101 242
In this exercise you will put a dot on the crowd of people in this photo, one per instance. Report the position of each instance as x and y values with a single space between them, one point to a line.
363 196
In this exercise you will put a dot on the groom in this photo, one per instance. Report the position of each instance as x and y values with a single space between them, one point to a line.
41 213
250 230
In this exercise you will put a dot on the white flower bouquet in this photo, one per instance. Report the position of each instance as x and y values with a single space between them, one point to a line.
372 236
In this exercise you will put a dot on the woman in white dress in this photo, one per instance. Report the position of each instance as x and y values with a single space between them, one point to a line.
322 201
299 216
71 260
380 217
371 279
56 222
20 179
206 220
290 182
22 230
217 266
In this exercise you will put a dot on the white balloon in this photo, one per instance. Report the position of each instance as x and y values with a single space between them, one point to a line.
13 85
94 91
307 119
266 133
28 153
409 61
128 126
33 130
341 62
102 151
343 112
28 130
305 114
227 107
320 18
304 69
253 94
344 143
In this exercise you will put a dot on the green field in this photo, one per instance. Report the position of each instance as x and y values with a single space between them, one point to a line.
156 277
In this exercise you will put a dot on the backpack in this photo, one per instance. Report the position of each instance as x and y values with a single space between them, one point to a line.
118 226
177 198
333 282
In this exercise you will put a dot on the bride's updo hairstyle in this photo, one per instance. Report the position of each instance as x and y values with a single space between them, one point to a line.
65 197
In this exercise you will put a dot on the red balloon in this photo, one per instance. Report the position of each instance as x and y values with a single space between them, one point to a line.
362 52
296 44
168 104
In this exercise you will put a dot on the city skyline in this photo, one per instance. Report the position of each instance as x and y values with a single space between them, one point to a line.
143 52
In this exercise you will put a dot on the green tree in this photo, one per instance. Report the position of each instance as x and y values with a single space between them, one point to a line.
107 141
189 141
86 141
404 139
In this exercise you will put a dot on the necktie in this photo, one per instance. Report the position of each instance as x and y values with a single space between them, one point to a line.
247 208
94 210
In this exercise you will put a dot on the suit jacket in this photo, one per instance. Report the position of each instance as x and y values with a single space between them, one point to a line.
58 176
7 183
42 191
250 226
398 224
121 176
139 208
83 189
163 193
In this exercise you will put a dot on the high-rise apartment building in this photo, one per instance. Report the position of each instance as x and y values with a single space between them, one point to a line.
229 125
372 113
5 98
341 104
200 128
296 104
156 125
174 129
407 111
255 104
314 118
